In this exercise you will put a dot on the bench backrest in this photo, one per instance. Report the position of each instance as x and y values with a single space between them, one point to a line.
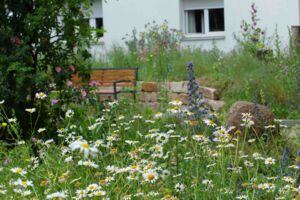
106 76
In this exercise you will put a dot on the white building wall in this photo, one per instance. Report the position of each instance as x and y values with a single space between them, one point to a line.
120 17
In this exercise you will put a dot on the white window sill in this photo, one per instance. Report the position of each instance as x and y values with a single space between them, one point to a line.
199 36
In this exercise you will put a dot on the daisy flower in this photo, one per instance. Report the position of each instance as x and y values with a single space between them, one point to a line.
209 122
97 193
12 120
84 148
88 163
30 110
80 194
158 115
175 103
69 113
269 161
150 176
179 187
40 95
57 195
22 183
93 187
18 170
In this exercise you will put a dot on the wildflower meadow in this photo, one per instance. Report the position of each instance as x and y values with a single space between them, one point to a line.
59 141
123 151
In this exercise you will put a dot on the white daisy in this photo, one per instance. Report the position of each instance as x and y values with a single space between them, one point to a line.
84 148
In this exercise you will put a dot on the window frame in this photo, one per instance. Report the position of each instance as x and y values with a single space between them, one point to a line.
207 34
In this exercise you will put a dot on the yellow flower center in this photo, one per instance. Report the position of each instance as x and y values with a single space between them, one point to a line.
85 145
133 166
168 196
150 177
19 170
102 182
193 123
92 187
24 182
43 183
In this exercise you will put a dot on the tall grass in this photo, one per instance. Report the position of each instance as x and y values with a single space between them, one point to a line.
238 75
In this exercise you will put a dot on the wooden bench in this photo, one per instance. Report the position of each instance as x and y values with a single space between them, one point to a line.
112 80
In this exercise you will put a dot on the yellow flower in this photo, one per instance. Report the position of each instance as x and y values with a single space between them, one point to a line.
4 124
245 184
238 132
97 174
43 183
103 182
168 196
193 123
77 184
113 150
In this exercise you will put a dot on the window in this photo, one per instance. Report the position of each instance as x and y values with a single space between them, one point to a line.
216 20
99 26
96 23
204 21
195 21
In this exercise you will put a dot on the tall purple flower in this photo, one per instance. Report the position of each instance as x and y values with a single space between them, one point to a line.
196 101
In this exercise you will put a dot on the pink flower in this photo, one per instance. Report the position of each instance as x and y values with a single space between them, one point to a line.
58 69
93 83
69 83
83 93
72 68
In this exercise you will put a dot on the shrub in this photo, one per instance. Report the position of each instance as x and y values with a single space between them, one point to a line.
41 42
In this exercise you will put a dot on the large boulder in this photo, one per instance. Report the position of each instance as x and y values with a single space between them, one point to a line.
261 116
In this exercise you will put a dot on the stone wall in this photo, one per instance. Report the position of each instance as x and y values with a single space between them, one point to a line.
151 91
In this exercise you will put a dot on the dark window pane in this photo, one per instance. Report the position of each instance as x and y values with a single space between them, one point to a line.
216 20
99 25
195 21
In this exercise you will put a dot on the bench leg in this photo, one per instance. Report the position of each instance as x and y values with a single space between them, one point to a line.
115 91
115 96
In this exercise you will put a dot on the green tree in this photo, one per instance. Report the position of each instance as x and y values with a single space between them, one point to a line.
41 42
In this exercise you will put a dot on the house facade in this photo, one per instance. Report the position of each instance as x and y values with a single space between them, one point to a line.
201 21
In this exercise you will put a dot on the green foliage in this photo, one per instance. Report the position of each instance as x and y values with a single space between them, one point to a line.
155 47
41 42
252 37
